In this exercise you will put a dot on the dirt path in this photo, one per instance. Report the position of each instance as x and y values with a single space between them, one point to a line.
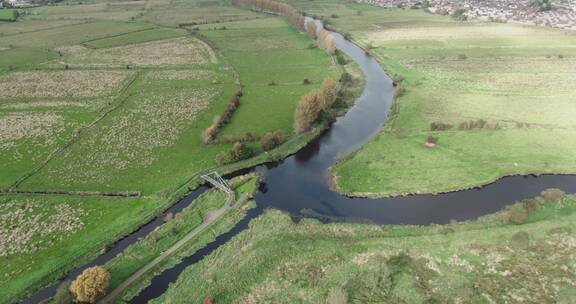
208 220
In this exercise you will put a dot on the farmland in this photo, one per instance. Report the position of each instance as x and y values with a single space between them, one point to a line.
496 99
111 98
278 261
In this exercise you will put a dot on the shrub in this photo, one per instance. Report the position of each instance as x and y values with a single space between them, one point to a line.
341 60
459 14
306 81
270 140
517 214
553 194
439 126
219 121
431 141
224 158
91 284
241 151
520 240
462 57
345 78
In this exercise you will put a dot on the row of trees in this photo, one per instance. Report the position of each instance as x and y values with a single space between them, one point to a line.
312 104
295 17
326 41
324 38
220 121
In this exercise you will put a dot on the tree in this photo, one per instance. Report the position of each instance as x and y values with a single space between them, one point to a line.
330 44
270 140
311 29
328 92
307 111
91 284
517 214
241 151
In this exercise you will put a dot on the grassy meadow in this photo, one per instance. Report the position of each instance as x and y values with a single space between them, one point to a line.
504 93
484 261
100 97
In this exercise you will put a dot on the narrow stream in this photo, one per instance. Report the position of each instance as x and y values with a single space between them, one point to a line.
299 184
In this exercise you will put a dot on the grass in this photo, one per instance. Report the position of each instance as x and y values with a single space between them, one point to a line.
104 96
8 14
176 227
456 72
253 48
53 254
135 37
278 261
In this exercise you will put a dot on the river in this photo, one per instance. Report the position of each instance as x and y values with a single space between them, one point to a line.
299 184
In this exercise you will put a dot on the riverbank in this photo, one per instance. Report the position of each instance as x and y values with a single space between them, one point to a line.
147 143
485 260
472 95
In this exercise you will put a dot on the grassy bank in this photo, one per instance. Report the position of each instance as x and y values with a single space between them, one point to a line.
113 97
473 87
489 260
175 228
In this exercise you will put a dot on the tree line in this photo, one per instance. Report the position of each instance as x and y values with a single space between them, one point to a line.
220 121
295 17
324 38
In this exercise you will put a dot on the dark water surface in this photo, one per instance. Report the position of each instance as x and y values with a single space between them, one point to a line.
299 184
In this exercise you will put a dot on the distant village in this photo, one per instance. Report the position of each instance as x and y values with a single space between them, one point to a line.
561 14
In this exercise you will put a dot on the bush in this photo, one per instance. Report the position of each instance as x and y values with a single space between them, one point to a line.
345 78
432 140
520 240
340 59
462 57
91 284
439 126
219 121
224 157
459 14
270 140
306 81
553 194
241 151
517 214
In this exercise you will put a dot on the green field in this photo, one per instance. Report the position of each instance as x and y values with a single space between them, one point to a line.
507 91
272 71
484 261
8 14
43 237
105 97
